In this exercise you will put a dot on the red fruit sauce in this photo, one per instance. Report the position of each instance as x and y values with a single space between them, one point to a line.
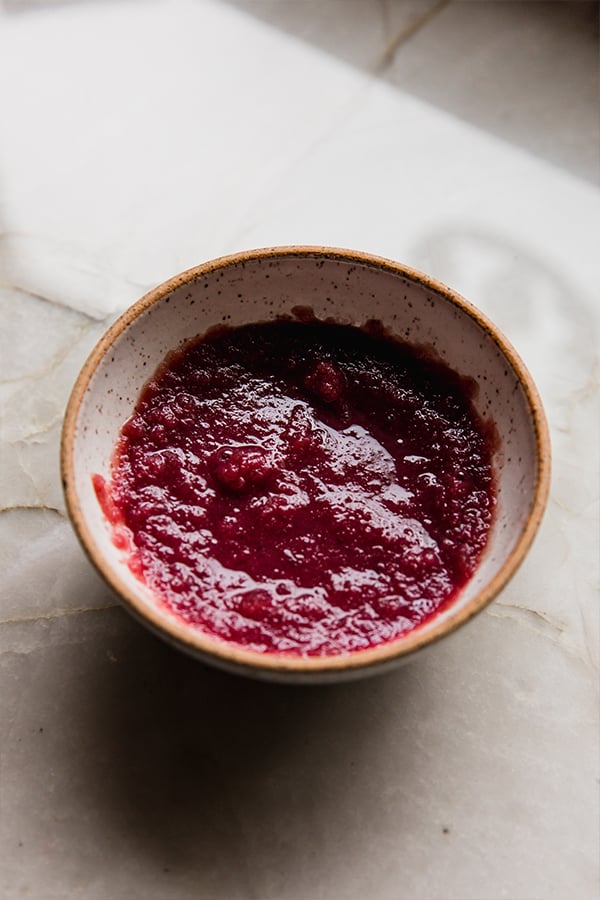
302 487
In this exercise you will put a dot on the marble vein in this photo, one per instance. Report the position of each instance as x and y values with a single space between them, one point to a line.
551 631
65 274
57 614
36 508
553 623
43 298
55 360
589 390
400 37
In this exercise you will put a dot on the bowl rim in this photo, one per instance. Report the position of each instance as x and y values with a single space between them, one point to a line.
230 655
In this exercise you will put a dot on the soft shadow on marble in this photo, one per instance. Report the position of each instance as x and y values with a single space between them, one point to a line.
455 53
133 765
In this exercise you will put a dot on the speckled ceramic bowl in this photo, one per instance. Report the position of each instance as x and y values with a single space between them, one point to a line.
352 287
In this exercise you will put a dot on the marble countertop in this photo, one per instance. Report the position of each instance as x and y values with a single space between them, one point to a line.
145 136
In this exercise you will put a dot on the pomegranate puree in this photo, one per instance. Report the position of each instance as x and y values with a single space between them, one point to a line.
302 487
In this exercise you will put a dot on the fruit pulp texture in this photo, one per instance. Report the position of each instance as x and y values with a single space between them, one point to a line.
302 488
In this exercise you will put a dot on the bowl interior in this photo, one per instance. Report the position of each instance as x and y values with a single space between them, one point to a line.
351 289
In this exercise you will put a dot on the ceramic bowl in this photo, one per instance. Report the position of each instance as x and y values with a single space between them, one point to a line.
352 287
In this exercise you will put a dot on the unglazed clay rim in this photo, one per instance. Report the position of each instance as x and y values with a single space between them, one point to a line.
228 654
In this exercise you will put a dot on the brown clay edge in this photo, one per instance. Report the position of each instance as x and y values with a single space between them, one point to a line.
229 655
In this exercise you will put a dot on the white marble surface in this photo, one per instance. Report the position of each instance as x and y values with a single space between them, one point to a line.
142 137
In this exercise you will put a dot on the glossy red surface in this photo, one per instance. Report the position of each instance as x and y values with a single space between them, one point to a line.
302 487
